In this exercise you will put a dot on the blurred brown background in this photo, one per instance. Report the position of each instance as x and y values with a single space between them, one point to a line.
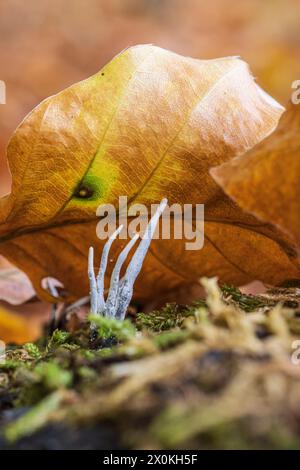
46 45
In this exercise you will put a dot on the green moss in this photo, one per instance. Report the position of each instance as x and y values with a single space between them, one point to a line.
58 338
52 375
86 373
32 350
170 316
34 419
181 352
110 327
89 355
105 352
170 338
10 364
70 347
248 303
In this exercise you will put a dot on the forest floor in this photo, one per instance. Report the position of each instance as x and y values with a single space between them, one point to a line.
222 373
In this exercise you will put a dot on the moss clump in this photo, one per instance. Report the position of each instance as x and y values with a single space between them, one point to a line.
171 316
86 373
33 350
10 364
110 327
35 418
170 338
178 383
52 376
248 303
58 338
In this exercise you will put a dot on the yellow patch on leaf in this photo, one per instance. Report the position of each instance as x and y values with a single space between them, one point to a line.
17 329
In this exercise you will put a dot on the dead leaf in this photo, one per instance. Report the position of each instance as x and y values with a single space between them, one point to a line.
17 329
265 181
15 287
149 125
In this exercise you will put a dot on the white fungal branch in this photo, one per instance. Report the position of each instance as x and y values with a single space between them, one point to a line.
120 290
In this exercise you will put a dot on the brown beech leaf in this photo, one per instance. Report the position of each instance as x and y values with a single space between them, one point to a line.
16 328
265 181
149 125
15 287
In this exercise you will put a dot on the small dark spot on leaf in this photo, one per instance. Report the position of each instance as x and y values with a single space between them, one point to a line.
84 192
